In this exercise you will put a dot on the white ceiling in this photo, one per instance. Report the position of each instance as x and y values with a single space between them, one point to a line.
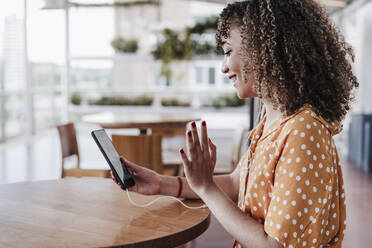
331 5
327 3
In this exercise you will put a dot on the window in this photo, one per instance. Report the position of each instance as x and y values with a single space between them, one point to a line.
91 36
46 59
211 74
91 74
12 69
199 75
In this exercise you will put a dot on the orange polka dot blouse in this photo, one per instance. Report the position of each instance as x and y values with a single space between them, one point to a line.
291 181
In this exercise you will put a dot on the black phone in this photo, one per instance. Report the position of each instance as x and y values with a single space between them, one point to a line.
118 167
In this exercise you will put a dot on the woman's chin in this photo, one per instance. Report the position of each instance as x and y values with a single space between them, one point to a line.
244 95
239 96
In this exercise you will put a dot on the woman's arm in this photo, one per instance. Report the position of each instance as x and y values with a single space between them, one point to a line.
149 182
228 183
240 225
221 198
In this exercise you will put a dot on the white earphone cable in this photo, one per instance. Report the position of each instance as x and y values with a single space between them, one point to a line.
161 197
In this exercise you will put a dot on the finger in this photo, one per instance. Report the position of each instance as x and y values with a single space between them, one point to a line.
112 175
191 146
195 137
212 150
185 160
132 167
204 138
113 178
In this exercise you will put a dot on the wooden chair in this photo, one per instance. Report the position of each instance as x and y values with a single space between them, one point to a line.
239 139
171 156
69 147
144 150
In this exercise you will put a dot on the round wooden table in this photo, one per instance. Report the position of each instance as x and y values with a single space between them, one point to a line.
164 124
92 212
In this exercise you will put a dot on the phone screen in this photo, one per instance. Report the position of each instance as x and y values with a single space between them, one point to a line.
112 157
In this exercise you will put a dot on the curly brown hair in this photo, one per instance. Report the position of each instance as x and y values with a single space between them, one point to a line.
295 53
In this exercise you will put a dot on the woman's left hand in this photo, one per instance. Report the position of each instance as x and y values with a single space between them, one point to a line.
200 165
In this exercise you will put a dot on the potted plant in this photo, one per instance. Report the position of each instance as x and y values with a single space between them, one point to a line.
122 45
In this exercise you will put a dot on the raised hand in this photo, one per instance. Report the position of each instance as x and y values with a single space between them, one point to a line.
199 166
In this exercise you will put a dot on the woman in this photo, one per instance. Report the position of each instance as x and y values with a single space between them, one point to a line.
288 186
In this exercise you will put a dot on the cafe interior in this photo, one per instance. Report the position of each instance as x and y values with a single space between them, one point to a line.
68 68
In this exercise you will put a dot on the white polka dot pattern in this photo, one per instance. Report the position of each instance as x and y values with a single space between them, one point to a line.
295 184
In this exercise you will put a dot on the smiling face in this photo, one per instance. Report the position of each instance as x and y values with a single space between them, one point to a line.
232 65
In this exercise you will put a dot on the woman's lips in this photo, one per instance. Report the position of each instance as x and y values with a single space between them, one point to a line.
232 76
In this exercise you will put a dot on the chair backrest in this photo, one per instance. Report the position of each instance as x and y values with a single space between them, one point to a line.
69 145
144 150
77 172
169 132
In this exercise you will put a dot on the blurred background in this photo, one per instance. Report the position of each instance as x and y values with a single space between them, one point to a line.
61 61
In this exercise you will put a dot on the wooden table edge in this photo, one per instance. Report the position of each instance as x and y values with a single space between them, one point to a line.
170 240
174 239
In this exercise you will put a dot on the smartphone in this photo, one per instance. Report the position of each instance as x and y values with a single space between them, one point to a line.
118 167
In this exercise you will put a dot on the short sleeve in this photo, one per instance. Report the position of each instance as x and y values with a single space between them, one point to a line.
300 191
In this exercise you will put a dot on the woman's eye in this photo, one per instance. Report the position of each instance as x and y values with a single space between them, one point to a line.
227 52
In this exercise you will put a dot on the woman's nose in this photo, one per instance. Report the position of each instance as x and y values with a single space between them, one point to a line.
224 68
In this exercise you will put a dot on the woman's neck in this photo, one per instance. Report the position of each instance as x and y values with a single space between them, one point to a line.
271 114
